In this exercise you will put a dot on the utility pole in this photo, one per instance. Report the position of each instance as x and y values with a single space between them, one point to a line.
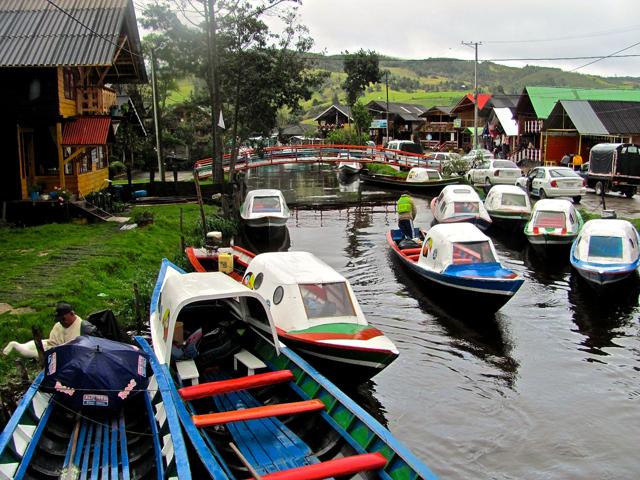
474 45
156 120
386 76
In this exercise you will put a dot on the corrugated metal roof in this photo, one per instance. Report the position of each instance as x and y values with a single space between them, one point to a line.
583 117
544 99
619 118
88 131
35 33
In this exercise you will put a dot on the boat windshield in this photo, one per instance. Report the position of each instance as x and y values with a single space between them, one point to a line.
433 175
514 200
266 204
326 300
550 220
472 252
466 207
608 247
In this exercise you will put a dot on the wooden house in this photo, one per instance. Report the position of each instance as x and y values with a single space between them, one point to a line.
438 131
533 112
404 120
464 113
59 62
334 117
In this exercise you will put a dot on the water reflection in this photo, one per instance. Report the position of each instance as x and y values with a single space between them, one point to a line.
550 271
480 335
364 395
261 240
602 316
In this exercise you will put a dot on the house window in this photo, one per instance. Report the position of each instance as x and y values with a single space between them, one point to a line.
69 84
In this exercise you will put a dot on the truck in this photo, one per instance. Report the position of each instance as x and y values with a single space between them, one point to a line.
614 167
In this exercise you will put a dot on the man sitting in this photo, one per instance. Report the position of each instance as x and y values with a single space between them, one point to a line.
68 326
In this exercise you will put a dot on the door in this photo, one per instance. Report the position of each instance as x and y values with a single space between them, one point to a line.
538 182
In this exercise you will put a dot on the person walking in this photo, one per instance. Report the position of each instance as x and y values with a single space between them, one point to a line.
406 214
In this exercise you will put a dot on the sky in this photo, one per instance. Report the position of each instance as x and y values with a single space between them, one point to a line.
417 29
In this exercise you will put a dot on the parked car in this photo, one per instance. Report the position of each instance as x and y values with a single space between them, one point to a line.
479 154
494 172
440 159
405 146
546 182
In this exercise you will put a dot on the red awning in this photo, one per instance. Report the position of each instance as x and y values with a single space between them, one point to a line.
88 131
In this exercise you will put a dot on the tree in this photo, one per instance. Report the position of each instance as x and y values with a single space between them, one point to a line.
361 118
362 68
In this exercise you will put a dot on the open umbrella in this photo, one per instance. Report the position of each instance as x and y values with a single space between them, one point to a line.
95 373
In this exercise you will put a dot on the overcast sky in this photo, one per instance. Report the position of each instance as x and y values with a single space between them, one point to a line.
416 29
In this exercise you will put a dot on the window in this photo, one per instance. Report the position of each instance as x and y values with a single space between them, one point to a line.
433 175
258 281
266 204
540 174
504 164
550 220
608 247
514 200
278 294
326 300
69 82
466 207
472 252
563 173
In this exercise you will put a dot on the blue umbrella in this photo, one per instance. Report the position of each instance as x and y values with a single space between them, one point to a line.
95 373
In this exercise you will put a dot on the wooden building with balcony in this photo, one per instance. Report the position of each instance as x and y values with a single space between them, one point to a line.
438 131
464 122
58 65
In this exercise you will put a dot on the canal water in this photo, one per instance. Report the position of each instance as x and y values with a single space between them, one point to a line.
547 388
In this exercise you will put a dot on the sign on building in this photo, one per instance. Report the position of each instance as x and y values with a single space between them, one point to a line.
378 123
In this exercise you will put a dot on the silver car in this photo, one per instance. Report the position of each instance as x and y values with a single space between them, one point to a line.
494 172
475 155
546 182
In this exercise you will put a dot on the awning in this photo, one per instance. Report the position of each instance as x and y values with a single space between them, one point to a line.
472 130
509 125
87 131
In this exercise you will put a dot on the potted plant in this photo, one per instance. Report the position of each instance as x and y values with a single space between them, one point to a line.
34 191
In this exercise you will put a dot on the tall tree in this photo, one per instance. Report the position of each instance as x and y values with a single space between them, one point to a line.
362 68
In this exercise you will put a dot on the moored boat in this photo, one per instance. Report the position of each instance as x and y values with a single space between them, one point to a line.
606 251
264 208
460 203
508 206
349 167
459 260
554 223
419 179
242 381
316 313
207 259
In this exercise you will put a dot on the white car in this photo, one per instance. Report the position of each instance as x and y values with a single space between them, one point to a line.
475 155
494 172
546 182
440 159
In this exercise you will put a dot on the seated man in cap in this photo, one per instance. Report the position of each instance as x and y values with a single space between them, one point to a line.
68 326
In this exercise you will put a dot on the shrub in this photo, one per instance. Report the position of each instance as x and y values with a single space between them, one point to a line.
382 169
116 168
142 217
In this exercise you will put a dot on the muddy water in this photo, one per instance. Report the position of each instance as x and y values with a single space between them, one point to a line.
548 388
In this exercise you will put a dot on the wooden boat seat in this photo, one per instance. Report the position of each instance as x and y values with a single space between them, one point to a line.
332 468
249 360
225 386
414 258
411 251
188 371
267 443
211 419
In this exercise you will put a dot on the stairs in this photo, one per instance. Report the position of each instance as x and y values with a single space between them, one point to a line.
91 212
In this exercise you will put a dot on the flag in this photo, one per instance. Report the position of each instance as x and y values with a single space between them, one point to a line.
221 121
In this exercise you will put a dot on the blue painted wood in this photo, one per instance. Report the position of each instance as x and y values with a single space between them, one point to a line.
84 469
28 453
166 387
104 467
113 444
67 457
157 448
80 445
25 403
124 452
97 443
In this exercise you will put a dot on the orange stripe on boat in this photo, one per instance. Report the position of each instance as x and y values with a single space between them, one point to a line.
332 468
411 251
233 385
361 335
210 419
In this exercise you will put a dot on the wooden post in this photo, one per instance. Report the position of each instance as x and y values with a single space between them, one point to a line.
136 304
60 155
196 181
37 340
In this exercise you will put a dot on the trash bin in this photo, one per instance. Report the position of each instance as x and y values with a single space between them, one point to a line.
139 193
117 192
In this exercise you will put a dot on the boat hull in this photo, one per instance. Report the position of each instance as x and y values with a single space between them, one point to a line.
265 222
508 220
391 182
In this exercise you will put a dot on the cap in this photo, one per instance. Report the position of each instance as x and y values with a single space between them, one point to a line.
62 309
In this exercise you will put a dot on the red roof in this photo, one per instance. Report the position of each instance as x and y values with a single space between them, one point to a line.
88 131
483 98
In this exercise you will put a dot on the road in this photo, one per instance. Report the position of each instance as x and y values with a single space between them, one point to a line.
623 206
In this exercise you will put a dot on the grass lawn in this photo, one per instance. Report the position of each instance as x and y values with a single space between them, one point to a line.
93 267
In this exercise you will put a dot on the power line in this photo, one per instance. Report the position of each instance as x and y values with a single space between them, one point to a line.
608 56
597 57
571 37
92 30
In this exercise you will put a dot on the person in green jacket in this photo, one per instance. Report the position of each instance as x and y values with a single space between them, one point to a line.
406 213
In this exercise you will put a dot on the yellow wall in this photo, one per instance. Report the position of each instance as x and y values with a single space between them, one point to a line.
67 107
92 181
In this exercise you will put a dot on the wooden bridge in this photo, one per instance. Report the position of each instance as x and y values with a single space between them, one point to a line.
308 154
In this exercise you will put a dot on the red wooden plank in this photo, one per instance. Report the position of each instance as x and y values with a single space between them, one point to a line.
331 468
225 386
210 419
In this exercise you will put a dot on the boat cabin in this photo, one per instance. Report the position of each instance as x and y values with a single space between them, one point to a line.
507 198
549 214
212 301
458 201
421 174
266 203
308 295
456 244
607 241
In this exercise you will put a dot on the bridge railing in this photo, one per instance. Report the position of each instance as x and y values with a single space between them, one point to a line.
315 153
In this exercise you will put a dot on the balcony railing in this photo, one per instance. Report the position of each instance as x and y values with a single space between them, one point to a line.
438 127
95 100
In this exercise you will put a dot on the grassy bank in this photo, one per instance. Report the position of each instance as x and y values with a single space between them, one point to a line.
91 266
